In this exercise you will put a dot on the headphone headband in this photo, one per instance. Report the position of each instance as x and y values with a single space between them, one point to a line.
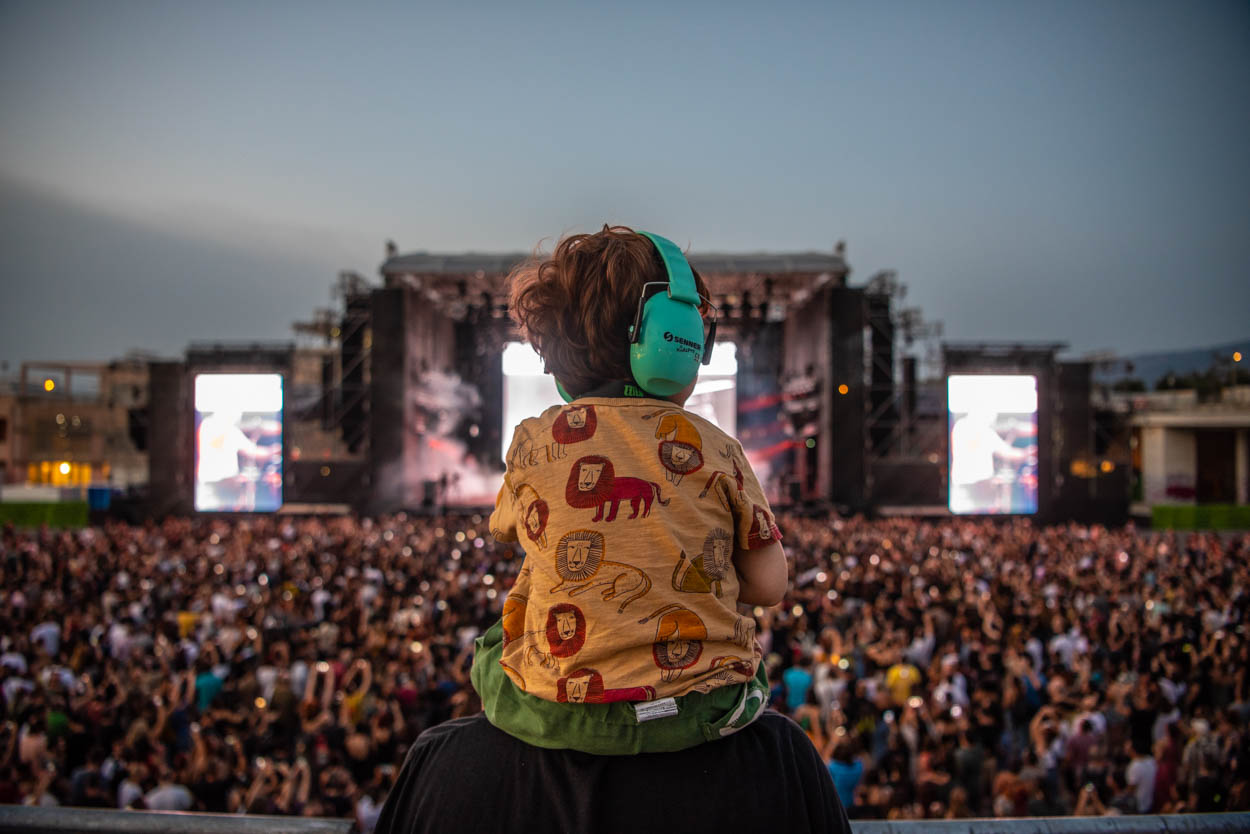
681 285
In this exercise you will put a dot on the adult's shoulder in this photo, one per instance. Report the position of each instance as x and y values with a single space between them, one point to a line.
463 734
468 774
453 736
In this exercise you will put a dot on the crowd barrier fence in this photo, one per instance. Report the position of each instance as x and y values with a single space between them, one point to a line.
56 820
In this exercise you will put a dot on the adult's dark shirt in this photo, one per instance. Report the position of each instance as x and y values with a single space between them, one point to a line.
468 775
213 794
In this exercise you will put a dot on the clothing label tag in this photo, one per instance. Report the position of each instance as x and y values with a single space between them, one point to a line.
651 710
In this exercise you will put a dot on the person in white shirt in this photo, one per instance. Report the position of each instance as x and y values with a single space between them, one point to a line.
1063 645
220 482
13 685
130 790
119 641
168 795
1140 776
14 660
47 635
367 813
974 446
953 688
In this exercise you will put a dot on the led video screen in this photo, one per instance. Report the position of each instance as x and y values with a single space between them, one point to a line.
993 444
238 442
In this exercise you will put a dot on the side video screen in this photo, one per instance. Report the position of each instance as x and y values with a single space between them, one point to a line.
993 444
238 442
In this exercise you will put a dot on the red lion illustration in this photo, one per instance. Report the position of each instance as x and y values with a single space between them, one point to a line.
573 425
630 693
566 629
593 483
763 528
534 514
585 686
536 522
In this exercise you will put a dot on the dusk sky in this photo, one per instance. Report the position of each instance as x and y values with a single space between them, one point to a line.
1056 171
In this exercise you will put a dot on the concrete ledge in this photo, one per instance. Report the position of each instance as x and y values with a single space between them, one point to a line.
1143 824
57 820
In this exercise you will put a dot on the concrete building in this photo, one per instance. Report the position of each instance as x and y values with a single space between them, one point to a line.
8 403
1188 451
70 425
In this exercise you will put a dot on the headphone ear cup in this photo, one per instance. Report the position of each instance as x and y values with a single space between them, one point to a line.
669 347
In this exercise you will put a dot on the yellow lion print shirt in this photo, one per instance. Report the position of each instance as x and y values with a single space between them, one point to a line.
629 511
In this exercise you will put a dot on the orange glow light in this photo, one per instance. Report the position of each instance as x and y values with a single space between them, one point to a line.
843 389
48 385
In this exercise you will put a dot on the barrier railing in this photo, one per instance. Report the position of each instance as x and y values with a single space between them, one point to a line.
56 820
1143 824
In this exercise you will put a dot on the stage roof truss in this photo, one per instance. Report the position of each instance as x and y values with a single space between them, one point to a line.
758 287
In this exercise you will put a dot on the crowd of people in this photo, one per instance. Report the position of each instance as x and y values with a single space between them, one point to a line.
952 668
978 668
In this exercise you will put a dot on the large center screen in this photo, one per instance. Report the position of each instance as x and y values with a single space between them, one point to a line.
528 391
238 442
993 443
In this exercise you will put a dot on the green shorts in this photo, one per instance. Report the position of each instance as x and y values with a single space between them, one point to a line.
612 729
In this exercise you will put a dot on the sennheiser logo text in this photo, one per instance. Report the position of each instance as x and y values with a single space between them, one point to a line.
669 337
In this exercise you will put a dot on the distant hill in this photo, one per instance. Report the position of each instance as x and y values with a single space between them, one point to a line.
1150 367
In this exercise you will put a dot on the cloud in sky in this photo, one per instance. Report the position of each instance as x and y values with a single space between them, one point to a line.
1063 171
83 285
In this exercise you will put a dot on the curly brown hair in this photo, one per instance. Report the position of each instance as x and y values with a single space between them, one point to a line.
576 306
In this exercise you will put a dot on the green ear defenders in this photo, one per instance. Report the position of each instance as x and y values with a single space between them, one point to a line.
666 340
